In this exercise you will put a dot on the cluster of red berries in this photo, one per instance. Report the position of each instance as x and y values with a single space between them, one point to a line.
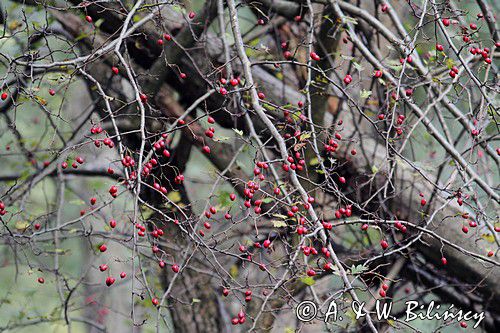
286 53
485 53
234 82
347 212
383 289
239 319
294 165
166 37
2 209
106 141
74 165
400 226
148 166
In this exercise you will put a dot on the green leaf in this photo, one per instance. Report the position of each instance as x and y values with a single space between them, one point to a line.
450 63
307 280
233 271
221 138
99 22
81 36
279 224
237 131
358 269
146 212
174 196
224 200
305 136
357 66
22 225
488 237
365 94
350 19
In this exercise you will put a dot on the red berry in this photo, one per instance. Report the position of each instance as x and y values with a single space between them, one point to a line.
314 56
311 272
175 268
328 266
347 79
